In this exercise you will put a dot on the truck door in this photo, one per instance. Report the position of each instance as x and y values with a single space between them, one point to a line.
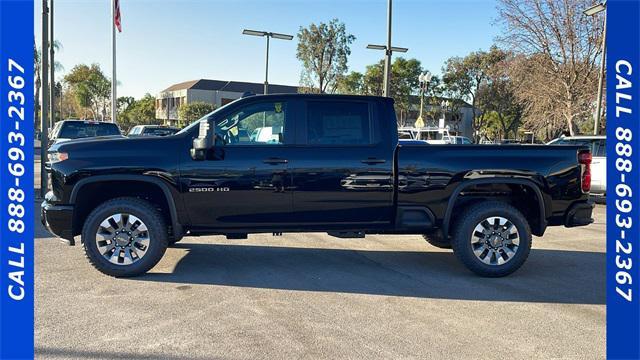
342 171
248 183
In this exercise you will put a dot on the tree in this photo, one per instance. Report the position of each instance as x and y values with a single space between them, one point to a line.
69 107
124 102
463 78
194 111
555 70
37 83
500 108
404 84
351 84
373 79
91 88
323 50
403 88
138 112
497 100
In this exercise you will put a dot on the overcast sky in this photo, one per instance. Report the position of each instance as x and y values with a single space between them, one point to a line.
169 41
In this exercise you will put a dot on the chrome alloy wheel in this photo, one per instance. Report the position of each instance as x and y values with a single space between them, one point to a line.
495 240
122 239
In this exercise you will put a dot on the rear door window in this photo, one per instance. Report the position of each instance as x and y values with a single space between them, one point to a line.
338 123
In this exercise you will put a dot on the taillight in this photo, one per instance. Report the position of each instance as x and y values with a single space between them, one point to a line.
584 158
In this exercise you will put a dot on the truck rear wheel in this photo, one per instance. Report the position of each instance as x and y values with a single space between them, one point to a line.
492 239
124 237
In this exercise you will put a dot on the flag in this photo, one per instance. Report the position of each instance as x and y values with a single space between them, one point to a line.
116 15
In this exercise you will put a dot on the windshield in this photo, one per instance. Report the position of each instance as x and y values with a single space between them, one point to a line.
76 130
195 123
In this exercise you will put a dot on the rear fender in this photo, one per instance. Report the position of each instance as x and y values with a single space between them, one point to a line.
539 230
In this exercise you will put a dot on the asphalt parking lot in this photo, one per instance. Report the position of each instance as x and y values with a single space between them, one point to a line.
313 296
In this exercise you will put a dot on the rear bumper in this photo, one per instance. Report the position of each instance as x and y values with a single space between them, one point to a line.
58 219
579 214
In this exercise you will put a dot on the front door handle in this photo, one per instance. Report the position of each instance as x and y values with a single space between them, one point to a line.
275 161
372 161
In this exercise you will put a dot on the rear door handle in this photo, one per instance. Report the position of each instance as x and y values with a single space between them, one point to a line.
275 161
372 161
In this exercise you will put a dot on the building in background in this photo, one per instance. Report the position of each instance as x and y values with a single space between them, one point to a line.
216 92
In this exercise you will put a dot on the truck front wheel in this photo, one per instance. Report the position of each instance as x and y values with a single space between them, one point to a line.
174 240
492 238
124 237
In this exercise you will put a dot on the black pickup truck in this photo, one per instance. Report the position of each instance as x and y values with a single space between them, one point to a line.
309 163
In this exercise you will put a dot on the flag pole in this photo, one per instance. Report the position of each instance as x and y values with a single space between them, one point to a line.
52 78
114 82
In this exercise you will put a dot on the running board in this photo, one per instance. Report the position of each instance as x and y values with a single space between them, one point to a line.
347 234
236 236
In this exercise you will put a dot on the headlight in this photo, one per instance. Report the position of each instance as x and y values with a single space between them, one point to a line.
55 157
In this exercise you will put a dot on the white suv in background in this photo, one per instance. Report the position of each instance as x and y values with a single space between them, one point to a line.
598 145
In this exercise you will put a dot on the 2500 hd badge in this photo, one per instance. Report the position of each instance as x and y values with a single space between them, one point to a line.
208 189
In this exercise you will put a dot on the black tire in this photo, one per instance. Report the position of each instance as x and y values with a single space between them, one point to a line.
142 209
436 239
463 231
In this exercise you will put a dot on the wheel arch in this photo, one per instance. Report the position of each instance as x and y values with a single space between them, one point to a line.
156 185
537 230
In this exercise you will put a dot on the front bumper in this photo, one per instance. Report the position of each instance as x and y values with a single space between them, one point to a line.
579 214
58 219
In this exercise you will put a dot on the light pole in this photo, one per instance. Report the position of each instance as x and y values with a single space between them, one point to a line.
389 50
592 11
267 35
445 104
424 80
387 68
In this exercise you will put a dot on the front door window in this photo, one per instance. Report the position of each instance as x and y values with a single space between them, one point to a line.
256 124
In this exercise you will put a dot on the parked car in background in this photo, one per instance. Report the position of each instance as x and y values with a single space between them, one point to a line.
152 130
432 135
405 135
461 140
75 129
598 146
266 134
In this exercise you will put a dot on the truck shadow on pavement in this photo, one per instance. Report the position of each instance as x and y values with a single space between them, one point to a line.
548 276
60 353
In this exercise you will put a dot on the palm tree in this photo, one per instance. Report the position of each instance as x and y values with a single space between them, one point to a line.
37 68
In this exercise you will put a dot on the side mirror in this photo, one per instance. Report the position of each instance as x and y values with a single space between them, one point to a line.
204 141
